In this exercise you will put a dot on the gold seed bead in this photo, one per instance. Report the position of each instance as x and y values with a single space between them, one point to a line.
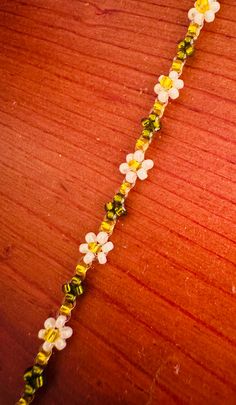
42 358
125 188
158 108
193 30
106 226
66 308
134 164
142 144
81 270
177 65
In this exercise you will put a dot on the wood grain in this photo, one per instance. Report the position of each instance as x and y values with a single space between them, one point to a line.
157 323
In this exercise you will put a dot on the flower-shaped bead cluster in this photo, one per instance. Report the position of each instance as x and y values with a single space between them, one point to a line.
168 86
97 247
203 10
136 166
55 333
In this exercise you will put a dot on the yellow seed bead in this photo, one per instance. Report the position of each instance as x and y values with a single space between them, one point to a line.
107 226
125 188
22 401
51 335
81 270
202 6
158 108
142 144
66 308
193 30
134 164
42 358
166 82
94 247
177 65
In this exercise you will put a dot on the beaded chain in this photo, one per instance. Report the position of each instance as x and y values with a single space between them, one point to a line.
55 333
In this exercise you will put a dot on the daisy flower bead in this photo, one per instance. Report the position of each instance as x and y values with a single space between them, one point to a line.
97 247
136 167
203 10
168 86
55 333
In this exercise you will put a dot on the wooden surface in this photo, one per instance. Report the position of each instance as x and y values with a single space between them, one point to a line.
157 323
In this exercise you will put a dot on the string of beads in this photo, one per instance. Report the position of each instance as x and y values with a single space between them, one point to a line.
55 333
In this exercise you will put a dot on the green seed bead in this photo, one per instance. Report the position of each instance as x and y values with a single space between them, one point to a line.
109 206
22 401
152 117
29 390
66 288
145 122
28 374
76 280
118 198
70 297
79 290
37 369
189 51
181 45
188 40
181 55
157 125
120 211
147 133
38 382
111 215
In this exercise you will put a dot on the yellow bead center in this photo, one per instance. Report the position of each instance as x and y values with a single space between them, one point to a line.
94 247
166 82
51 335
125 187
134 165
202 6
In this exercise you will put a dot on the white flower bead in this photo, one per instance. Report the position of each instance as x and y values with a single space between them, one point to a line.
89 258
90 237
97 247
55 333
102 238
203 10
136 166
168 86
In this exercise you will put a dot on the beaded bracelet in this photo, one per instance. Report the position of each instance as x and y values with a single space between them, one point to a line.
55 333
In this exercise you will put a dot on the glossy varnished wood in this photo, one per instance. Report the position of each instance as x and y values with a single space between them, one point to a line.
157 323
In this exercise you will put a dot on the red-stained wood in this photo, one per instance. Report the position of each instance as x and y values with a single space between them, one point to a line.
156 325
